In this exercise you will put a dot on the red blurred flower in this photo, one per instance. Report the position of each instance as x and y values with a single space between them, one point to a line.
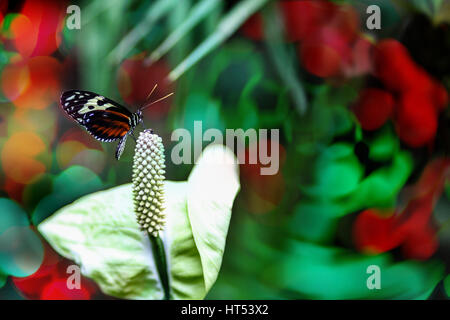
320 59
440 96
345 21
262 193
415 119
373 108
394 66
420 97
253 27
304 18
411 228
136 79
360 59
421 245
326 33
324 53
373 231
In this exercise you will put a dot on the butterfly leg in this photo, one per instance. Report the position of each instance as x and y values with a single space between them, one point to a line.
134 137
121 146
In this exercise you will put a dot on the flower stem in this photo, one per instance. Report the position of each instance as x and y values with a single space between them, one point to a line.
161 263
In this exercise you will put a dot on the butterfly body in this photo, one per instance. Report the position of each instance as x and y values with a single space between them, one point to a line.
105 119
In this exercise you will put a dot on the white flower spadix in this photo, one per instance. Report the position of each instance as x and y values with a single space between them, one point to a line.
148 182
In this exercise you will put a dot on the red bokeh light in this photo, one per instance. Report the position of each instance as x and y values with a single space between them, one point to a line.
37 31
58 290
13 189
33 83
18 157
49 282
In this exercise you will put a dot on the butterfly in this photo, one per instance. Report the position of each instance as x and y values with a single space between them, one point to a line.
105 119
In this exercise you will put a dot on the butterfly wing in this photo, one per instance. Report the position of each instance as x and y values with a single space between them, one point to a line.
106 126
104 118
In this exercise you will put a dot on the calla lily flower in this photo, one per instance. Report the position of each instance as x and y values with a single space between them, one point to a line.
100 233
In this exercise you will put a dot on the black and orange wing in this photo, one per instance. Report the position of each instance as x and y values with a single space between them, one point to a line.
104 118
106 125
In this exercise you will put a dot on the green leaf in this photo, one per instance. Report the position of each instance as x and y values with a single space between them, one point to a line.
338 173
382 186
201 108
383 146
273 24
225 28
323 272
442 13
447 190
157 10
200 11
100 233
447 285
436 10
3 279
429 7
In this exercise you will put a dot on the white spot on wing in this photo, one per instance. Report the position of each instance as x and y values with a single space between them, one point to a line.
94 103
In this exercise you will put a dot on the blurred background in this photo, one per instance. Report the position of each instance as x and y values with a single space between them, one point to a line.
364 134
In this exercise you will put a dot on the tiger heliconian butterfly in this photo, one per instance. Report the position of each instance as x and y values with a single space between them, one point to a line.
105 119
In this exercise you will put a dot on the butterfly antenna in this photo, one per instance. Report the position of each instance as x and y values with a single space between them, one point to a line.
153 90
153 102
